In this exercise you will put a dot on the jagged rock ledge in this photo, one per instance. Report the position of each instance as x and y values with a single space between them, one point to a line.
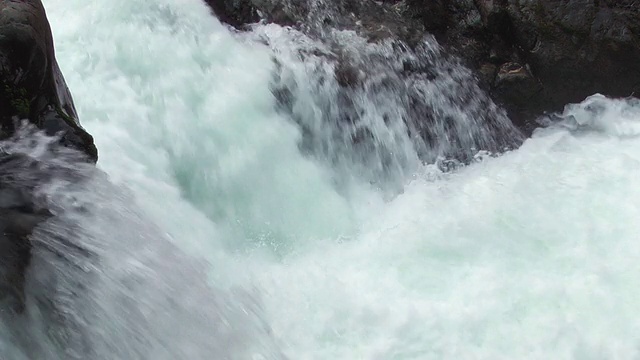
532 56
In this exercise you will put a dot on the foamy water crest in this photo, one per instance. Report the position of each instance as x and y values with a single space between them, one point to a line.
616 117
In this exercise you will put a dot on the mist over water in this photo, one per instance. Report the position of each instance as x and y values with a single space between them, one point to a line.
215 227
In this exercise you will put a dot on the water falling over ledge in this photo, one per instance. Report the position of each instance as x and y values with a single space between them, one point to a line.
213 226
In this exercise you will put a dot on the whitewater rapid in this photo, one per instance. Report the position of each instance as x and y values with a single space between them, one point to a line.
530 255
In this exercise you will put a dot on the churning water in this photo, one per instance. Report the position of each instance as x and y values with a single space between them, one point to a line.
233 224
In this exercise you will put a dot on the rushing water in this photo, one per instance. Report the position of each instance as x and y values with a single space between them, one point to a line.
216 235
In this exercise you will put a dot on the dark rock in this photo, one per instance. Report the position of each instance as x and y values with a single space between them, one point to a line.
577 48
398 80
371 19
31 85
236 13
347 75
17 225
519 91
569 49
32 90
20 212
433 13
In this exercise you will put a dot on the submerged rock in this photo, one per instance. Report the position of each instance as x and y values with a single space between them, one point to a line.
20 212
568 50
32 91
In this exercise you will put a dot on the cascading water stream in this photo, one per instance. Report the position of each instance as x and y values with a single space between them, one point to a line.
256 206
382 108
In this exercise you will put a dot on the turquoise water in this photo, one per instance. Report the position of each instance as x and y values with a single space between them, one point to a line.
530 255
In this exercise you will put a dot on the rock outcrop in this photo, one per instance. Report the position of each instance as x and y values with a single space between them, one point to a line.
32 90
32 87
387 77
531 55
538 55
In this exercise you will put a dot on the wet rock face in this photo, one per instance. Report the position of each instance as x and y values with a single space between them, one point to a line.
374 20
570 49
567 49
32 87
236 13
32 90
20 212
389 76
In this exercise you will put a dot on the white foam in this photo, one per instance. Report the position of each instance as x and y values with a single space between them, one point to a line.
532 255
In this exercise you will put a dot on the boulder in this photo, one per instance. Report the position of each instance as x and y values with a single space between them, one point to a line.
32 87
32 91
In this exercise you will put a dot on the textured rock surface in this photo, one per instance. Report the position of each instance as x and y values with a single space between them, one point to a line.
32 89
532 55
31 84
566 50
235 12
